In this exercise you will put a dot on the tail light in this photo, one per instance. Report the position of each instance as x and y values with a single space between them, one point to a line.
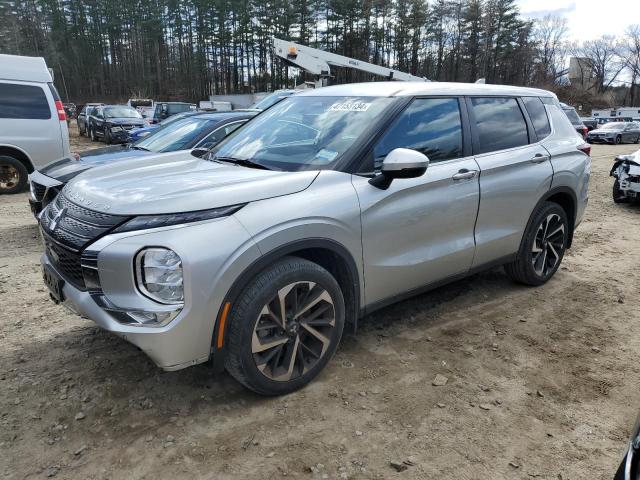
62 116
585 148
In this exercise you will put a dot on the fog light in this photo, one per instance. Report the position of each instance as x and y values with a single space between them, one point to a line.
159 275
153 319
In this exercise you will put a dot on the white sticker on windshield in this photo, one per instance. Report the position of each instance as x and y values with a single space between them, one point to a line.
325 156
350 107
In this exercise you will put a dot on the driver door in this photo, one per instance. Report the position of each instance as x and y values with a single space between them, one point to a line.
420 230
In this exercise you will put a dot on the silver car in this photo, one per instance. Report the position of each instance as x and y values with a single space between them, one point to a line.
615 133
316 212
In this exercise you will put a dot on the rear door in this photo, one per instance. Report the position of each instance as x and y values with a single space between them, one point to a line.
420 230
29 121
515 172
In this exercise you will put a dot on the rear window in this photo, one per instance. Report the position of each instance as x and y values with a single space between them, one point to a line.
500 123
538 116
572 115
23 102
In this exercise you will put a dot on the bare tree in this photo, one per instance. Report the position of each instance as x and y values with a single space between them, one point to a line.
630 54
604 58
550 37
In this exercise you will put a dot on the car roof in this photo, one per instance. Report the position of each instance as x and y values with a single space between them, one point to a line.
25 69
404 89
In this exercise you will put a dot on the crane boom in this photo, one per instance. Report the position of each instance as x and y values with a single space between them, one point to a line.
318 62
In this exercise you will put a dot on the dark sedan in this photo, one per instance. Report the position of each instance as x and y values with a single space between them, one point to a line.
113 122
615 133
198 131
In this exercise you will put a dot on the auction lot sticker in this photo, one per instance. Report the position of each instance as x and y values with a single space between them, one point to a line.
350 107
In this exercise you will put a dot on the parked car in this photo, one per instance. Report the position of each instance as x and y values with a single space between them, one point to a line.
69 110
113 122
164 110
573 117
272 99
321 209
138 133
199 131
33 123
589 122
83 114
615 133
630 467
626 171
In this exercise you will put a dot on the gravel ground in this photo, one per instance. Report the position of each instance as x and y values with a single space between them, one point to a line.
540 382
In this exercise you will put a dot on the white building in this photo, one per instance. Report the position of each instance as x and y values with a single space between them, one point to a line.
629 112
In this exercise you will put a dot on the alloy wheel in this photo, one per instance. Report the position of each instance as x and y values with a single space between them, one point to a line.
548 245
9 177
293 331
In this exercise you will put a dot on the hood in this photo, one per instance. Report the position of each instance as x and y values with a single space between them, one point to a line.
178 182
66 168
600 130
125 121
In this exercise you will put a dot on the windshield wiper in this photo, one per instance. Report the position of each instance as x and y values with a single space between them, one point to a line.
135 147
242 162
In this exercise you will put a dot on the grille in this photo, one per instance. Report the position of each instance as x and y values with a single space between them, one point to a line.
66 261
67 229
38 191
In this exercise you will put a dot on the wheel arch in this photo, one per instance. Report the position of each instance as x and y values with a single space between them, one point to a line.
18 154
567 199
327 253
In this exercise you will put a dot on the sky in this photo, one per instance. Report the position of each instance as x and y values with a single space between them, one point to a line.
588 19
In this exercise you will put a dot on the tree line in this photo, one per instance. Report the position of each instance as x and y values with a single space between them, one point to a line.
190 49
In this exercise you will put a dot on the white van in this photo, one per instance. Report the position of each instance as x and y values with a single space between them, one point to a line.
33 124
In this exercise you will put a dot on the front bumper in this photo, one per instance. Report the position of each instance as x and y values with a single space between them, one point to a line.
208 275
592 139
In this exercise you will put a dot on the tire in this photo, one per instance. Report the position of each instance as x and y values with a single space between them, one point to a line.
618 140
256 315
107 137
13 175
617 194
637 139
80 131
92 135
539 246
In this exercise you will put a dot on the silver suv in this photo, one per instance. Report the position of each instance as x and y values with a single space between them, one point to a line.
316 212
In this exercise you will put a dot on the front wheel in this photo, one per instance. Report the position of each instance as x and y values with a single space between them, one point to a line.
92 135
13 175
543 246
618 140
285 327
107 137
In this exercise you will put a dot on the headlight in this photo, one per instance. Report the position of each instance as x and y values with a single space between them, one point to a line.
159 275
144 222
116 129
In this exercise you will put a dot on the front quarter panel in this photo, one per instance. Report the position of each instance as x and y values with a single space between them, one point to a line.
328 209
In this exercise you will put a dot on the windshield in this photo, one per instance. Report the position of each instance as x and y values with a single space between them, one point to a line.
271 99
303 133
121 112
178 135
613 126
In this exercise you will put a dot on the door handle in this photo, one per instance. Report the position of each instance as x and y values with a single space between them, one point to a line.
464 174
539 158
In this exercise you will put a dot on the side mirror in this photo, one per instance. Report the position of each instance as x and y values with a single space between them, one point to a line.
400 163
199 152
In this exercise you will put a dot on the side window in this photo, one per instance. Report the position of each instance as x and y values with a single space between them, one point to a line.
500 123
24 102
538 116
429 125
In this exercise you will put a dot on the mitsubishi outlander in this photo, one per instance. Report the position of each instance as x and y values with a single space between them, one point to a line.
323 208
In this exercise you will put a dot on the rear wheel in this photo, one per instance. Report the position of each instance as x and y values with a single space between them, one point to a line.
618 195
285 327
543 246
13 175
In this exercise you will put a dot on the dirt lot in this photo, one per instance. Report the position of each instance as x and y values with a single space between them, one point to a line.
542 383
